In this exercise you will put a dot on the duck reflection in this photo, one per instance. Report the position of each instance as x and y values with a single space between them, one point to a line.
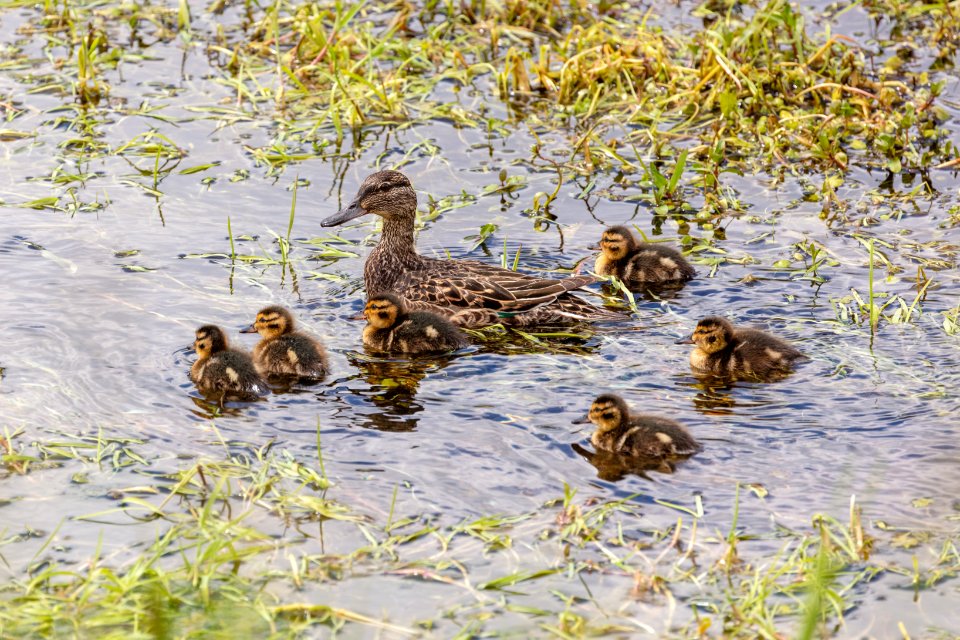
210 407
393 385
714 396
613 466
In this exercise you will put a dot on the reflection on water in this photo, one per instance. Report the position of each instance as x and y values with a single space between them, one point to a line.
613 467
392 390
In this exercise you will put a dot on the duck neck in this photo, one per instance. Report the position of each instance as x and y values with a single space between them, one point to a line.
395 254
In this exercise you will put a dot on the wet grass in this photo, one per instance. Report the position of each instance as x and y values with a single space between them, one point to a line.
218 566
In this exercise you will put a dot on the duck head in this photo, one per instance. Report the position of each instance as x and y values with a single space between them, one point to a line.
387 194
617 243
384 309
608 412
712 334
209 340
271 323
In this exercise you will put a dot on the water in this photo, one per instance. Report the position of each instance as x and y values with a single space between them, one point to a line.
101 303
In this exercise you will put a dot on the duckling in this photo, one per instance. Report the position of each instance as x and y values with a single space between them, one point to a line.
469 292
722 349
284 352
221 370
640 264
640 436
391 327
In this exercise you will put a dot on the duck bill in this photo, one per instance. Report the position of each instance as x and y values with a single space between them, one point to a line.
349 212
584 419
251 329
687 340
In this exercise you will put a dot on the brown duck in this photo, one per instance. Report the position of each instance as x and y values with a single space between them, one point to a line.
640 436
392 328
640 264
469 292
283 351
222 371
724 350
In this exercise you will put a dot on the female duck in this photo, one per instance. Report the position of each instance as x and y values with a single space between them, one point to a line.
220 370
284 352
392 328
640 264
470 293
724 350
640 436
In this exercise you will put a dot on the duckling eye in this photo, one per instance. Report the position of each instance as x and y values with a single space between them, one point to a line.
712 339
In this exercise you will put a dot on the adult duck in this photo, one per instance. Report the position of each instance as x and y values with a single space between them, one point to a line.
469 292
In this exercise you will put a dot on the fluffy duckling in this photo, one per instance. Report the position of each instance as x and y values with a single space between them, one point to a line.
392 328
284 352
640 264
722 349
221 370
639 436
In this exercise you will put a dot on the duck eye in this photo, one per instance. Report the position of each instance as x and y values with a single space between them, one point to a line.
712 339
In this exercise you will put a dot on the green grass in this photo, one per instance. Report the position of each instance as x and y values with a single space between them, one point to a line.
215 567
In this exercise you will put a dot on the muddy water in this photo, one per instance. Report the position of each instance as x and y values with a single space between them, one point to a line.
100 303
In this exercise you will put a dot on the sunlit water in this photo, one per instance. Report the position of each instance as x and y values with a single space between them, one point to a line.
94 340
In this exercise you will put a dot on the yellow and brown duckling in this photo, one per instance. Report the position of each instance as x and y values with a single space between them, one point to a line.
283 351
640 435
640 264
724 350
220 370
392 328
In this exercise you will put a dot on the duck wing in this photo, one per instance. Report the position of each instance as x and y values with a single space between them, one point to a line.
468 283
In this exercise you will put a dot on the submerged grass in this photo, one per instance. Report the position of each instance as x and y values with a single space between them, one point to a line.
217 566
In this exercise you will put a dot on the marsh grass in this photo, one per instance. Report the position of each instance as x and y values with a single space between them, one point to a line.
215 567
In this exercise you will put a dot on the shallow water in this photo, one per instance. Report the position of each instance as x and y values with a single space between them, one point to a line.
100 305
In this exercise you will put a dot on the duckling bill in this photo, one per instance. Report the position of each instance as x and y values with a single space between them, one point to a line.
392 328
283 351
724 350
640 264
220 370
637 435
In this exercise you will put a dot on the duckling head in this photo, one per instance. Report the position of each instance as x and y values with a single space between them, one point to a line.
387 194
383 310
608 412
617 243
271 323
210 339
712 334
